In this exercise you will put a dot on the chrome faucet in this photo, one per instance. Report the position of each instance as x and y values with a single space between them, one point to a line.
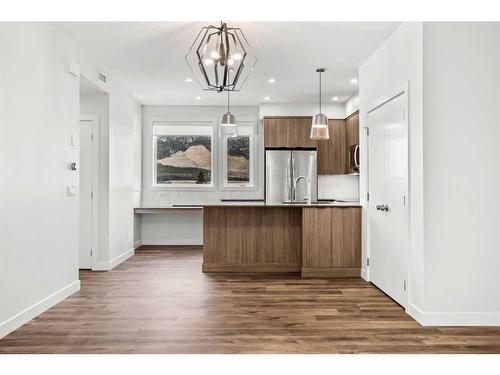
307 197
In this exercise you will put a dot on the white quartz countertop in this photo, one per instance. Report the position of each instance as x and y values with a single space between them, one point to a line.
199 206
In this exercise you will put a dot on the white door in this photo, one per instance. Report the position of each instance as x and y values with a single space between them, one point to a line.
388 209
85 198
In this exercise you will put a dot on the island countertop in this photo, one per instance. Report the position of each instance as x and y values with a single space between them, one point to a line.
240 203
278 204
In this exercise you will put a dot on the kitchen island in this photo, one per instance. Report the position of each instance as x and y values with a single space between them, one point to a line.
314 240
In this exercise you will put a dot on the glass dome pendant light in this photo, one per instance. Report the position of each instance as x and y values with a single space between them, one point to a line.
319 126
228 123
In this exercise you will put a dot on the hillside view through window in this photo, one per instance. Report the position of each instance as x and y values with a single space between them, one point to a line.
238 160
184 159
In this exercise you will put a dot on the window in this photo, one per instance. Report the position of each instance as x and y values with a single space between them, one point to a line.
183 155
238 160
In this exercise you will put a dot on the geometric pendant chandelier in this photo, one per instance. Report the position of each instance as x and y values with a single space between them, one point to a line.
221 58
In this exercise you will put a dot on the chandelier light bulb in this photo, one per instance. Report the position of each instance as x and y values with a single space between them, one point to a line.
209 62
236 56
215 55
230 62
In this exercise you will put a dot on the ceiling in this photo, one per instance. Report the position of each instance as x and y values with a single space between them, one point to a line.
149 58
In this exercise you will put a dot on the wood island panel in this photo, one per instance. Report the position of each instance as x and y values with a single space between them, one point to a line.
252 239
331 242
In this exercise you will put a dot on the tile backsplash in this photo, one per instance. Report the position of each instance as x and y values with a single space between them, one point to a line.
340 187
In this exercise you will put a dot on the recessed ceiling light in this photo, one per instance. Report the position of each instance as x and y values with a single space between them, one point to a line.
198 98
354 80
267 98
188 80
271 80
335 99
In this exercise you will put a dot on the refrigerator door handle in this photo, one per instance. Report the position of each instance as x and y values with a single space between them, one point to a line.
287 175
293 198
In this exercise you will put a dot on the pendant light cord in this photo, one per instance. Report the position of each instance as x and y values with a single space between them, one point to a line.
228 75
319 92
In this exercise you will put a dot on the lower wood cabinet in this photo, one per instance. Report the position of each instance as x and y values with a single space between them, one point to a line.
331 242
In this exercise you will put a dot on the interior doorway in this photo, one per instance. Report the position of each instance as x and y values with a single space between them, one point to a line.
388 214
94 118
88 179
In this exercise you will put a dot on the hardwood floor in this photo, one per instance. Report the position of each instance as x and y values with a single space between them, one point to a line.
159 301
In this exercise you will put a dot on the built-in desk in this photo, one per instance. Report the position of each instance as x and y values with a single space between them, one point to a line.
180 224
166 209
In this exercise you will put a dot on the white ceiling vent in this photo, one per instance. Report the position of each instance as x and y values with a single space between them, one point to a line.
102 77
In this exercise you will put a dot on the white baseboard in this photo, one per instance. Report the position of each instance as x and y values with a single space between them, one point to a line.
453 318
106 266
363 274
137 244
31 312
173 242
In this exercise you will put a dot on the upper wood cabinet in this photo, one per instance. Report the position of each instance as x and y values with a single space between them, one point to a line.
352 123
288 132
333 152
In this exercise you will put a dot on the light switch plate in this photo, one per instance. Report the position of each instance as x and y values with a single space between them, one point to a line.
70 190
74 140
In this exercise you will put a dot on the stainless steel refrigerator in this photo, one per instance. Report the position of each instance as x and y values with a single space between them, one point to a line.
283 168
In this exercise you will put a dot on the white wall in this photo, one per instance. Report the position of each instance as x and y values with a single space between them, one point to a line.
351 105
461 171
122 112
454 97
398 60
38 222
331 110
